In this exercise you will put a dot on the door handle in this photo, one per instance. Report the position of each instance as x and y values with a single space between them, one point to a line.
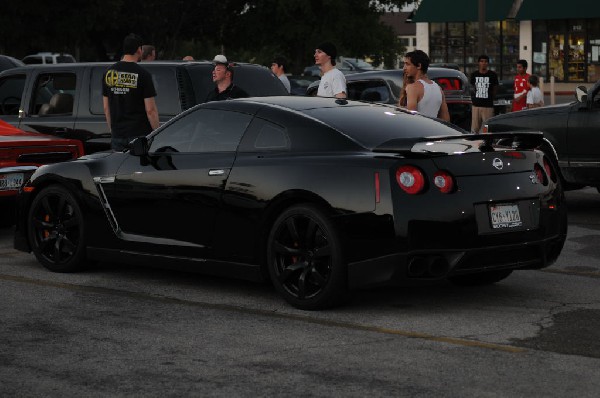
216 172
60 130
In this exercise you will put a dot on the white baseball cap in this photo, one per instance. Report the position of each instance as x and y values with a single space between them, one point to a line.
220 59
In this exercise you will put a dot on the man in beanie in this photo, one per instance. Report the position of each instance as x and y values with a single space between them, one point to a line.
333 82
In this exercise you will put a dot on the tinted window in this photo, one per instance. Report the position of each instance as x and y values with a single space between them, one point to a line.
449 83
204 130
167 90
53 94
165 83
257 81
371 90
11 90
373 125
96 106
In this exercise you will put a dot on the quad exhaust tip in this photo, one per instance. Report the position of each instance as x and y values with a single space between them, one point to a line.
428 266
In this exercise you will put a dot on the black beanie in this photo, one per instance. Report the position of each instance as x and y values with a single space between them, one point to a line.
329 49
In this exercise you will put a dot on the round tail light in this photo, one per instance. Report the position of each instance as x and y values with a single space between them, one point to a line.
410 179
443 181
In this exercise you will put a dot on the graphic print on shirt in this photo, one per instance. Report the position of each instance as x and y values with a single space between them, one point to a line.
482 86
121 82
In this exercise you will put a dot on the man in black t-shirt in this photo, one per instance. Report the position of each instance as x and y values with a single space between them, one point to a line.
484 84
222 76
128 97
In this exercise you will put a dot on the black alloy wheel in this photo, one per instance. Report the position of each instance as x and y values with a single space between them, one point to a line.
304 259
56 230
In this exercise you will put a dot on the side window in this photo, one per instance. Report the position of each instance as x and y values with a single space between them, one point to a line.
372 91
96 105
54 94
167 91
11 91
165 83
264 136
205 130
271 137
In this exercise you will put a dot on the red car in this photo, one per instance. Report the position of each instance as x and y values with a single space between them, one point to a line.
21 153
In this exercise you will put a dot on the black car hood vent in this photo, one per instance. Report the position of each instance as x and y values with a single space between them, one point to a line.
445 145
45 158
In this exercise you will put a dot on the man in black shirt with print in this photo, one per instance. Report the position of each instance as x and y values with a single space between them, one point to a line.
484 84
128 96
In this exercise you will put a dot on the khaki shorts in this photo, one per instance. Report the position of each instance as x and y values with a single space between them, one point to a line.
478 116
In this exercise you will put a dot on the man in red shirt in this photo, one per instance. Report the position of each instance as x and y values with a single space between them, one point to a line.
521 86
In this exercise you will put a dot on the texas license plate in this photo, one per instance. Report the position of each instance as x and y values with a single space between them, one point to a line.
505 216
10 181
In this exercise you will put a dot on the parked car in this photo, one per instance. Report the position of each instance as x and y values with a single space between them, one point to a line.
504 96
48 58
354 65
7 62
444 65
570 133
323 195
384 86
65 100
299 84
21 153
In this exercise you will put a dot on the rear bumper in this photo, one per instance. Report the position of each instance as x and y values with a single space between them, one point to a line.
440 264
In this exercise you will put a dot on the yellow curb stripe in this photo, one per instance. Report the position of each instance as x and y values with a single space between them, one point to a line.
301 318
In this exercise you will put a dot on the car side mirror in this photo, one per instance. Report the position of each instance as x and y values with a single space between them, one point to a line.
581 94
139 146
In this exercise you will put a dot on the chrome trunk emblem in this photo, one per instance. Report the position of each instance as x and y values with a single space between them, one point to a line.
497 163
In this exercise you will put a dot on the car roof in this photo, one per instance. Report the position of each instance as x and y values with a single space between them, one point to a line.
387 73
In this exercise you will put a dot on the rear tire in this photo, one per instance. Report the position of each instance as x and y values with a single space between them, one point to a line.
304 259
482 278
56 230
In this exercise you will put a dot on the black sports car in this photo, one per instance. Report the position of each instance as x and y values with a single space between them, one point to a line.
321 195
570 132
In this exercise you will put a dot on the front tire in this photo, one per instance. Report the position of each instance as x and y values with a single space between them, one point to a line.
304 259
56 230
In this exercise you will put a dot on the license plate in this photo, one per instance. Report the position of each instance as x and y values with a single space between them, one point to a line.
10 181
505 216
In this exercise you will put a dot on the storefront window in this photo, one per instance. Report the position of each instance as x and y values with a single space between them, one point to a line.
491 46
576 56
510 49
540 49
437 42
593 51
456 43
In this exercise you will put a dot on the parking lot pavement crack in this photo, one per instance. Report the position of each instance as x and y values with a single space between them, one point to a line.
572 332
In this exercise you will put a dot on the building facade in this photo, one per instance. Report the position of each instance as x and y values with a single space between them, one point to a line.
558 39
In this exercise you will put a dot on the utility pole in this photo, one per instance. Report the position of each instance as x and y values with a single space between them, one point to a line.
481 43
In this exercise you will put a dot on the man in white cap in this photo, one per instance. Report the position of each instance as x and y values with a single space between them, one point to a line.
333 81
222 76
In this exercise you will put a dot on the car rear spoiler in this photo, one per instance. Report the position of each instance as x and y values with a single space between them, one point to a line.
515 140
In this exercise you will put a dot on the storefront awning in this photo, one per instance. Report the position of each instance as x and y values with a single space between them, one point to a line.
558 9
461 10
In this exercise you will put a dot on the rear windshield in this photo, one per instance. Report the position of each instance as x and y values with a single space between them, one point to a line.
371 126
449 83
